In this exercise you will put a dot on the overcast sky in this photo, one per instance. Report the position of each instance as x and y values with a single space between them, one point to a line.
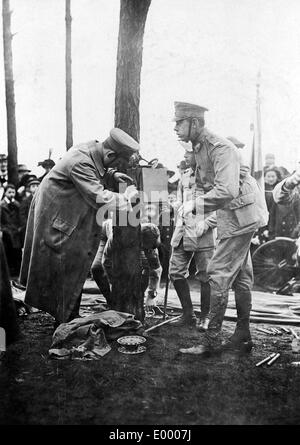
207 52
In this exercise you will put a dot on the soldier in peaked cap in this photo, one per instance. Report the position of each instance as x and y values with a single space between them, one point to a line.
62 233
238 216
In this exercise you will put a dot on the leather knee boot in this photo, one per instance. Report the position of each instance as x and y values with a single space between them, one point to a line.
183 291
218 305
242 336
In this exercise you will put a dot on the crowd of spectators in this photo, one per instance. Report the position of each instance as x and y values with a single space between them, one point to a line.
15 200
284 220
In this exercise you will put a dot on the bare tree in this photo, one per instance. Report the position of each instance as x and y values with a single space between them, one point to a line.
69 122
10 95
126 288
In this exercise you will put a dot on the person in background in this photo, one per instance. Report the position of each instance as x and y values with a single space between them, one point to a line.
187 243
284 173
287 193
11 229
272 178
23 175
181 168
288 189
3 174
30 187
284 218
269 161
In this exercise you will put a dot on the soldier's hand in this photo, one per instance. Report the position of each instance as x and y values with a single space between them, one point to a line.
122 177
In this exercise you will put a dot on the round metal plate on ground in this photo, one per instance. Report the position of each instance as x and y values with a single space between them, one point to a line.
131 340
138 350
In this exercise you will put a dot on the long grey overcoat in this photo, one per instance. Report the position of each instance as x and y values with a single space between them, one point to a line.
62 235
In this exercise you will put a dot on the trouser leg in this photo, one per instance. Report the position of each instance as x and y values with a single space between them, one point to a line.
99 274
75 311
202 259
228 260
102 281
179 263
205 298
242 288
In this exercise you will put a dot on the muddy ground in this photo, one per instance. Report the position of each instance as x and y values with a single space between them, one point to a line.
160 386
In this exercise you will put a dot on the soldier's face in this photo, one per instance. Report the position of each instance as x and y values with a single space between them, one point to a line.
112 160
182 129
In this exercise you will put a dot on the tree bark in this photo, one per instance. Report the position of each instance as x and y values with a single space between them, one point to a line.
133 16
127 295
12 148
69 121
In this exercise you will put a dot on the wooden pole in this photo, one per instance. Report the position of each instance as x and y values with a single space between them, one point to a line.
12 148
68 55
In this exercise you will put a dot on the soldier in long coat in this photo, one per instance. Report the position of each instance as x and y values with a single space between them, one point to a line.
63 234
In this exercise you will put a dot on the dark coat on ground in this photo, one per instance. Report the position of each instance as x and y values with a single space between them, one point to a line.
62 234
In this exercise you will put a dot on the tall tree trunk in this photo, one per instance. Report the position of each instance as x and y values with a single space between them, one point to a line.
133 16
10 95
126 287
69 122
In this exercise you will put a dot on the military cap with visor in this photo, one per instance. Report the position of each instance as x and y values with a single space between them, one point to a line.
185 110
121 143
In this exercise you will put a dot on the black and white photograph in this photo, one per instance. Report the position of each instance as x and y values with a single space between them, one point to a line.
150 215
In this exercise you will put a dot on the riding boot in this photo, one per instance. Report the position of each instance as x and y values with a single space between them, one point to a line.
241 337
183 291
218 305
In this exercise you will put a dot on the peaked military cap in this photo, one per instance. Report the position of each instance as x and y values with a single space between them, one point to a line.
236 142
119 141
184 110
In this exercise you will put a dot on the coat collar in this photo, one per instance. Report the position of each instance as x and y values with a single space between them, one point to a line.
96 157
203 133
